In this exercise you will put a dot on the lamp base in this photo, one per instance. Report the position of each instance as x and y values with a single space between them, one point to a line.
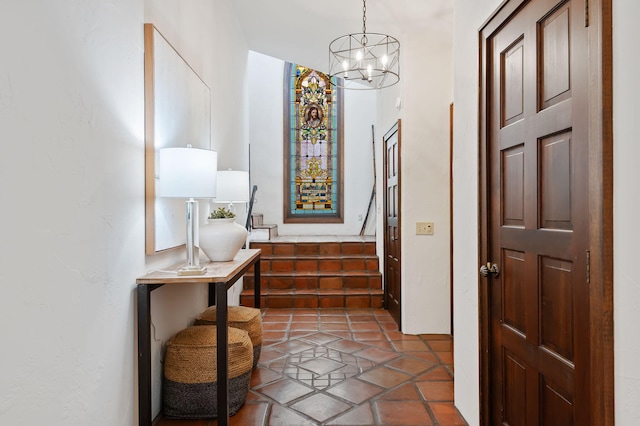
192 270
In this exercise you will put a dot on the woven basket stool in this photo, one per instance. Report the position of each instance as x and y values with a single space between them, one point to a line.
189 386
242 317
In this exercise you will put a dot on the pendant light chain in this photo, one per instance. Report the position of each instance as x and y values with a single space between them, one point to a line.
364 16
364 38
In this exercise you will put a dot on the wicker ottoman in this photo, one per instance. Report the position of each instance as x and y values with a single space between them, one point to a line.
242 317
189 386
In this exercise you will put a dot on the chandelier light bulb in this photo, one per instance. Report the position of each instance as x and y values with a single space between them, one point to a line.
359 55
345 65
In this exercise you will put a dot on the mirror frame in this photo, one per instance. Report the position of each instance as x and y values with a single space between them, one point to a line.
177 105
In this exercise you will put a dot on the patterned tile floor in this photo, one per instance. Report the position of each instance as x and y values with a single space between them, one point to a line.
346 367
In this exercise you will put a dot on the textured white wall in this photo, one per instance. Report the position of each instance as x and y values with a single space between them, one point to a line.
469 16
424 93
72 189
266 78
626 204
426 96
72 215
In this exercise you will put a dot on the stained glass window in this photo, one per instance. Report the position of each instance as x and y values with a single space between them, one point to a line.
313 147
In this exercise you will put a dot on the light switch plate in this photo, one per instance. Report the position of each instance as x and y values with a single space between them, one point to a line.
424 228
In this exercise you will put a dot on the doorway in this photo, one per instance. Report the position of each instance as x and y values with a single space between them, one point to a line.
392 222
546 276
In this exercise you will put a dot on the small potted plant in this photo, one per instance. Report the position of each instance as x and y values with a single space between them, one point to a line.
222 213
221 238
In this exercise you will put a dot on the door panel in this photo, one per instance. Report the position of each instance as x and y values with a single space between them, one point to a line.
556 310
557 409
514 297
515 373
392 278
537 161
555 182
513 186
555 59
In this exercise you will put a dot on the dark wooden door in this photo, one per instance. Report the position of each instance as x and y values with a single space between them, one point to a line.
392 283
538 228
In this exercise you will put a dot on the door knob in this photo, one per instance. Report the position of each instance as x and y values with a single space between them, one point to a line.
489 268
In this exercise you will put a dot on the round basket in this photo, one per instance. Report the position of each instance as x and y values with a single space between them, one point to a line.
190 373
242 317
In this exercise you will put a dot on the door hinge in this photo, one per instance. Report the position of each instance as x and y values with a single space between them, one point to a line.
588 266
586 13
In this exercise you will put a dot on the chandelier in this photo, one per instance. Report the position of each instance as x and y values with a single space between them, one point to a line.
365 61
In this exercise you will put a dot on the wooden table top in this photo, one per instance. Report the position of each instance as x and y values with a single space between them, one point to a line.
216 271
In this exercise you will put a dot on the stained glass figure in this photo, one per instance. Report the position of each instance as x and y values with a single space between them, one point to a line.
313 147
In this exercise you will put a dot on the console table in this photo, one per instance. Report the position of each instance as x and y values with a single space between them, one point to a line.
220 276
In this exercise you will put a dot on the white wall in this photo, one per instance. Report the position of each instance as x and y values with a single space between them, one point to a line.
426 96
626 204
424 93
266 79
72 225
72 189
469 17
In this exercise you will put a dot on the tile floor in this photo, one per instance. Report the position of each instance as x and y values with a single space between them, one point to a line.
346 367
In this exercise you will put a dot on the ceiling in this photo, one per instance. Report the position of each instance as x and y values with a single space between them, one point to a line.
300 31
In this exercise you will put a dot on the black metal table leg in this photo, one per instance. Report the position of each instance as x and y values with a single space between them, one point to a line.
222 335
212 294
256 285
144 355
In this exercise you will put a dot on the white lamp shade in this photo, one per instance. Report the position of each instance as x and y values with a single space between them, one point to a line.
187 173
233 186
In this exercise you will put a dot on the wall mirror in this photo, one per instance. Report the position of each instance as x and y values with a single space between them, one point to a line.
177 113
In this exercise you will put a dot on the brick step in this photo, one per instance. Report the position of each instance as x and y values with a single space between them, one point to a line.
316 272
288 248
319 263
326 298
312 280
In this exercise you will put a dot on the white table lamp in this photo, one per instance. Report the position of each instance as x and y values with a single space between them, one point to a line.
188 173
232 187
